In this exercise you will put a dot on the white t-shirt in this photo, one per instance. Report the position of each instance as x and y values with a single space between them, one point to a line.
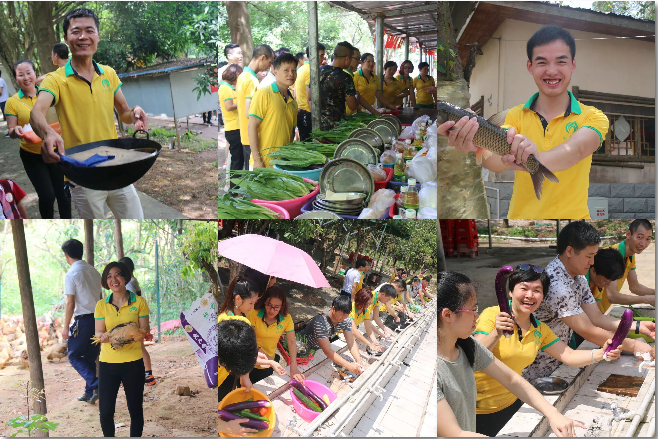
133 286
353 276
5 91
268 80
84 282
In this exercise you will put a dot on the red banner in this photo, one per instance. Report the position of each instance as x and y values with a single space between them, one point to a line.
214 89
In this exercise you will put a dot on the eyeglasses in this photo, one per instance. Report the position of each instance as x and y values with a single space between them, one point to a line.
470 310
356 58
526 267
273 308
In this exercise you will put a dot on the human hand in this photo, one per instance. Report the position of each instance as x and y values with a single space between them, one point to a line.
65 332
18 131
612 355
246 383
521 149
355 368
258 163
139 118
563 426
233 427
504 323
460 134
397 319
277 367
294 373
641 347
51 142
648 328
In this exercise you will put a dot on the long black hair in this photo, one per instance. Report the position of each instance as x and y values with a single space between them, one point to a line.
453 291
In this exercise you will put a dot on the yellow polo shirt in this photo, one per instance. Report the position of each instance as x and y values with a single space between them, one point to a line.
392 89
267 336
278 116
348 110
303 80
85 111
393 301
366 87
20 106
245 87
601 296
227 92
408 83
568 198
359 317
422 97
223 373
492 397
131 311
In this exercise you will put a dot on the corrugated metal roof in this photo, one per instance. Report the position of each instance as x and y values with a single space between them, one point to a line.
415 19
166 67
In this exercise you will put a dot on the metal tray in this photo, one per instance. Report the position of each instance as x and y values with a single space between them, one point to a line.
371 136
550 385
357 149
385 128
394 120
318 205
318 214
357 201
346 175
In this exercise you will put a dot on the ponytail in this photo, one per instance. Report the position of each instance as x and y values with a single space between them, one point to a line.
453 291
239 286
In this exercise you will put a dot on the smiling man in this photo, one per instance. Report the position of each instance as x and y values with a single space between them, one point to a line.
85 95
552 125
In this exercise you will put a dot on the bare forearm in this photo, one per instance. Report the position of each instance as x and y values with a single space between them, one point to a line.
641 290
494 163
366 105
292 347
625 299
39 124
563 156
68 315
528 394
126 116
489 340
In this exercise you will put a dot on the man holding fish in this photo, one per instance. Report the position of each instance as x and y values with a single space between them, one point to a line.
551 136
85 95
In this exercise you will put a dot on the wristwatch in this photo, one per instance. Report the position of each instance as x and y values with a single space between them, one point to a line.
637 327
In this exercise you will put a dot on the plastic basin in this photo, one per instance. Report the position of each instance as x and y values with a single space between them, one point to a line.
382 184
276 209
393 210
388 165
294 206
239 395
313 174
308 207
317 388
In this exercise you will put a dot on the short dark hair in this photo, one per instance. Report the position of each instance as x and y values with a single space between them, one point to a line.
355 49
79 13
261 279
230 47
365 56
609 263
283 50
320 47
128 263
406 61
530 275
346 45
637 223
274 292
284 58
263 50
388 290
231 73
61 50
548 34
299 56
360 263
415 279
238 349
123 272
73 248
577 235
342 304
390 64
400 283
422 65
21 61
428 278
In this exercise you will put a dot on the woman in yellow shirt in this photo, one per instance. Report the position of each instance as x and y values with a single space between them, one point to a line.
270 320
423 85
406 69
367 83
362 308
47 179
392 88
229 105
495 404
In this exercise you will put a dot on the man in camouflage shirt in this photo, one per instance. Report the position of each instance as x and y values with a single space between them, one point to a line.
336 87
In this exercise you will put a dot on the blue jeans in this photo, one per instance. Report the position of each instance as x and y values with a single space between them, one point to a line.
83 354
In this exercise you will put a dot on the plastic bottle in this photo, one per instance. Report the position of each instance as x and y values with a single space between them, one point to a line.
398 169
411 199
411 214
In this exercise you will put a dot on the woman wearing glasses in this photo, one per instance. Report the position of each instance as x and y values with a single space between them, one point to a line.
406 69
460 356
270 320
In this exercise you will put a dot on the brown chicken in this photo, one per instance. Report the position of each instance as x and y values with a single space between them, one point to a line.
123 334
58 352
23 360
5 354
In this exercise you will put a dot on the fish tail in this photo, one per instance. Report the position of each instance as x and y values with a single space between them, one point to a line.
538 179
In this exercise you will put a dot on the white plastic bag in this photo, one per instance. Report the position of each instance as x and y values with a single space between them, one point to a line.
377 172
200 325
426 213
387 157
381 201
368 213
428 195
422 169
407 133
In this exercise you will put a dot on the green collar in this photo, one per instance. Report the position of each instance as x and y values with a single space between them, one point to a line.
306 62
226 83
68 69
248 69
372 75
261 314
21 95
575 106
275 89
348 70
132 299
622 250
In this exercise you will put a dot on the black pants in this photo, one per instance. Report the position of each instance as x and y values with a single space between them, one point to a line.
492 423
48 181
304 124
110 376
208 118
246 153
235 148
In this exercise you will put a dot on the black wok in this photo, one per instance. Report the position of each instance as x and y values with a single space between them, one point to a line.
108 178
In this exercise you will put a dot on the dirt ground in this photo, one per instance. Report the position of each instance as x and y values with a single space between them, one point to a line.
165 414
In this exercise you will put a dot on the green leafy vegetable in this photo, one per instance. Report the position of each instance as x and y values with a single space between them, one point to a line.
236 208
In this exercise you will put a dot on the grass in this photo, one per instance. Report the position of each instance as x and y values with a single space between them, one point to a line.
522 232
187 140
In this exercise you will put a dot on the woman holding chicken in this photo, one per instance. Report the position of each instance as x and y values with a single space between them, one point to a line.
122 321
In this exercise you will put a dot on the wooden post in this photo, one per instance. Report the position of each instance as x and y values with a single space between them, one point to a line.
314 62
118 237
442 255
179 227
173 108
29 317
89 241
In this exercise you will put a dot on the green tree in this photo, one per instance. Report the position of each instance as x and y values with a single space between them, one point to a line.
635 9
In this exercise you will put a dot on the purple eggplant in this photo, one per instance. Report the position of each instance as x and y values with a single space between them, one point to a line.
308 393
246 405
251 423
501 293
622 331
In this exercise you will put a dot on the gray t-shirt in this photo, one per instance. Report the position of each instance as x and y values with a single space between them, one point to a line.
456 383
351 277
4 95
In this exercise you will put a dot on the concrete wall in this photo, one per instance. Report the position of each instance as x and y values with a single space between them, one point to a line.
620 66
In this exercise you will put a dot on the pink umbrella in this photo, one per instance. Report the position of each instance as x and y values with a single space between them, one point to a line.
274 258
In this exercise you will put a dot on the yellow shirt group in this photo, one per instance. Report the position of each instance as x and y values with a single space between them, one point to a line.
20 106
245 87
568 198
303 80
600 294
492 397
267 336
408 83
278 116
366 87
422 97
227 92
131 311
392 89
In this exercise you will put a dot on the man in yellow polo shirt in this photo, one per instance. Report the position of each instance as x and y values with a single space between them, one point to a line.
85 95
273 113
303 95
245 88
553 126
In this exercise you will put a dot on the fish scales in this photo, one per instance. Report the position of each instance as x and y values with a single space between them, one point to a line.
494 139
